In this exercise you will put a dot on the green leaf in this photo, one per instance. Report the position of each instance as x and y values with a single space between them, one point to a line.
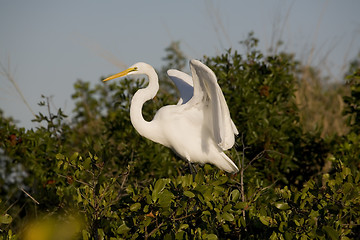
282 205
59 156
180 235
123 229
183 226
210 236
65 166
241 205
282 225
189 194
273 236
199 178
265 220
226 228
74 156
79 197
228 216
87 163
206 213
304 237
234 195
159 186
187 180
347 187
331 232
59 163
146 209
101 233
242 221
85 234
221 180
134 207
165 198
314 214
227 207
147 221
5 219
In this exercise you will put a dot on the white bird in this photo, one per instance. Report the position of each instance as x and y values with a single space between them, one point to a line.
199 128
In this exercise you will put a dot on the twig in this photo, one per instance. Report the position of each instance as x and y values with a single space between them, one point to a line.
7 74
100 51
79 181
242 169
259 155
217 24
29 196
180 218
11 206
124 179
154 230
261 190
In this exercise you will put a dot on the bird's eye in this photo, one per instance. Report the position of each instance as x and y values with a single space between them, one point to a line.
133 69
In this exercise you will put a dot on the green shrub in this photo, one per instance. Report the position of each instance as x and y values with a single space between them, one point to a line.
260 94
94 177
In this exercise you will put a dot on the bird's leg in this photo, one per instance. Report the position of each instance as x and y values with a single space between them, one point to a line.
193 170
190 167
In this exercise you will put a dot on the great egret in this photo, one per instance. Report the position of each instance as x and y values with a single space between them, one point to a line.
199 127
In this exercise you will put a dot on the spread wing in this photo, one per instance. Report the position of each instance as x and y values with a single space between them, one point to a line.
184 83
208 92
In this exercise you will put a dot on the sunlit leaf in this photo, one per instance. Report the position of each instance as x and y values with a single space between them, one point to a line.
5 219
210 237
189 194
282 205
123 229
159 186
228 216
134 207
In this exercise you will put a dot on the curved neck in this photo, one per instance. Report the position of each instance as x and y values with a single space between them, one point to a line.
145 128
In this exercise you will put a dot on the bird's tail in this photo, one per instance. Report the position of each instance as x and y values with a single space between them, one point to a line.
228 165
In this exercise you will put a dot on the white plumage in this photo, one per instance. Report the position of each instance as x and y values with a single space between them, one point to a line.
199 128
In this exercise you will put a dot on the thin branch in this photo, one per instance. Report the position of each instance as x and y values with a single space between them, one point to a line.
32 198
79 181
217 24
310 58
154 230
259 190
242 169
186 216
100 51
11 206
9 76
124 179
259 155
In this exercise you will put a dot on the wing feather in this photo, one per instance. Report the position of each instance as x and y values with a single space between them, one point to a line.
184 84
207 90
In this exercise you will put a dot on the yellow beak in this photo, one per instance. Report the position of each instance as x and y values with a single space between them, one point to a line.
121 74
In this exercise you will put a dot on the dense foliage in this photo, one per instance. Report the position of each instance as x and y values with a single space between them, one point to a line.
94 177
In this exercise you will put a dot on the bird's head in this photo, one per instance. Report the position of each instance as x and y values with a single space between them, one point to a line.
137 68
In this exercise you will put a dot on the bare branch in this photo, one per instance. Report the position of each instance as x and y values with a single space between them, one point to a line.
6 72
32 198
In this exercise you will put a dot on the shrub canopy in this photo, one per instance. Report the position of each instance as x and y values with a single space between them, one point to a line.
94 177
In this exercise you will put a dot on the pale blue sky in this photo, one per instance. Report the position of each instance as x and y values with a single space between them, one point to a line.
51 44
